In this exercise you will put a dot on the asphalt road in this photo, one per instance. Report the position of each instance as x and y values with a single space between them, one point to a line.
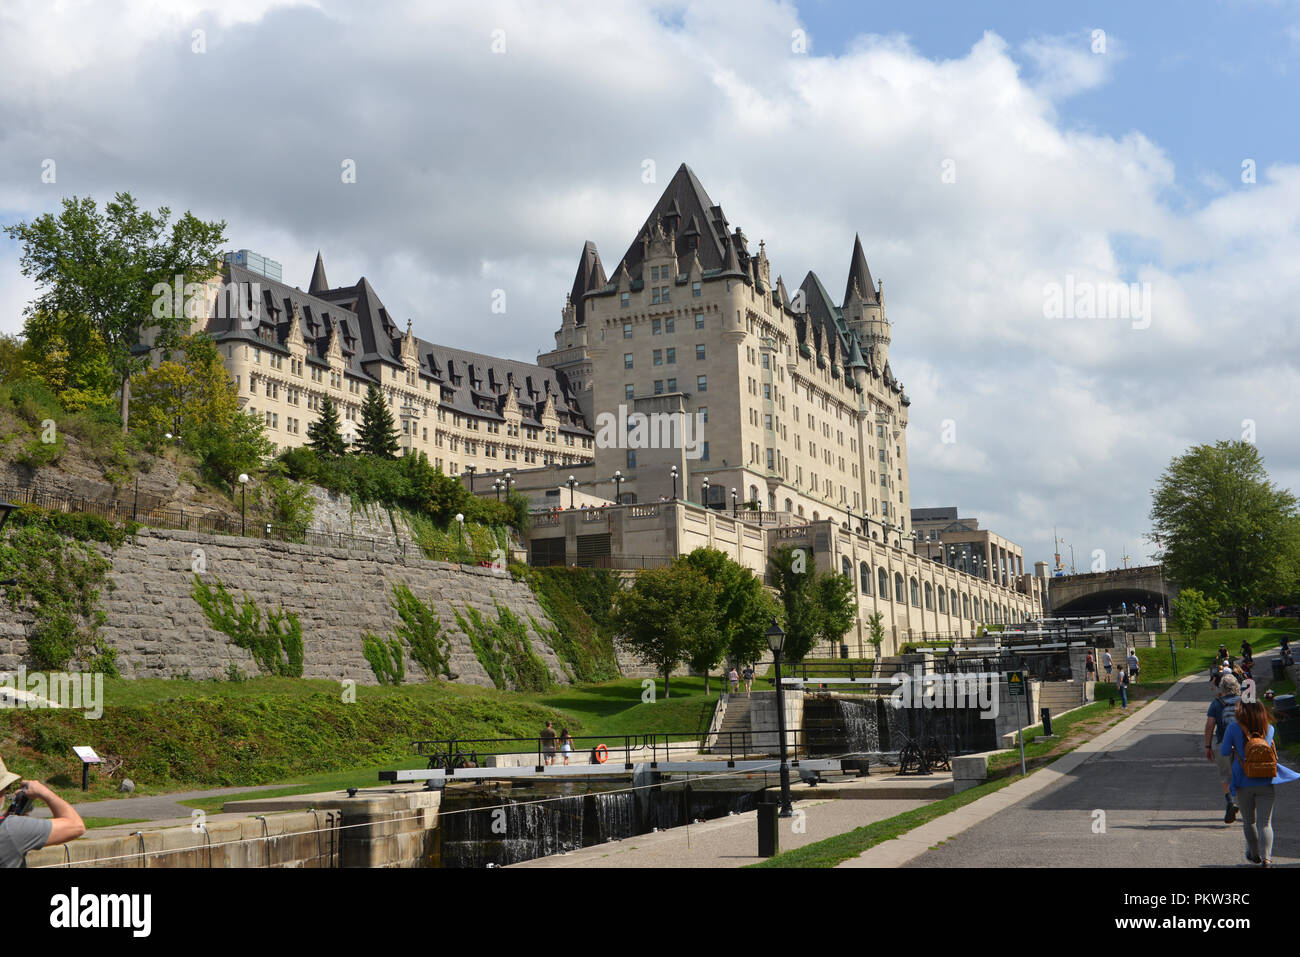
1149 800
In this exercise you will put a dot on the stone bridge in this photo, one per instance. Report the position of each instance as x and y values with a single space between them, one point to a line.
1100 592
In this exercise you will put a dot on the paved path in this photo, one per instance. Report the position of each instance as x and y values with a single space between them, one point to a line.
1148 781
154 807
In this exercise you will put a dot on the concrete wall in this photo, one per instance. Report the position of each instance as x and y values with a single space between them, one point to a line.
160 631
389 830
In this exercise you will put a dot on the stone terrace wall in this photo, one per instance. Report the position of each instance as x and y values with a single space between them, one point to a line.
160 631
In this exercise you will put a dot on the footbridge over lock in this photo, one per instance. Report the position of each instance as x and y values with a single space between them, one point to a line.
1101 593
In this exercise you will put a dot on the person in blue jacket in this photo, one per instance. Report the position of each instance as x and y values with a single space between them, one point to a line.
1255 796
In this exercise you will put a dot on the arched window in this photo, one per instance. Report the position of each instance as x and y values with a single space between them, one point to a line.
965 605
986 610
898 589
753 493
943 601
952 595
864 577
929 597
846 567
916 592
789 505
771 501
816 516
882 583
801 511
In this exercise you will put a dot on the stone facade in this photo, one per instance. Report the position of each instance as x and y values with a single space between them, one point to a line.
160 632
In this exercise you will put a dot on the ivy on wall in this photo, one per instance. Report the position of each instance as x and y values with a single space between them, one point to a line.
277 648
504 650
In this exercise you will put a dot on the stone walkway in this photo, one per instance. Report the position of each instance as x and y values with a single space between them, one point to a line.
155 807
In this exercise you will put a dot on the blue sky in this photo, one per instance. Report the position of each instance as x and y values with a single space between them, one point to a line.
1206 80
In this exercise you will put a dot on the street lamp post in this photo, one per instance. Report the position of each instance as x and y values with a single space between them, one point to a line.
673 472
460 534
572 483
618 487
776 642
471 470
243 484
496 487
706 491
733 503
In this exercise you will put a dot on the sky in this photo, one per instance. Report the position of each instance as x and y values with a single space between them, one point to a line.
1008 166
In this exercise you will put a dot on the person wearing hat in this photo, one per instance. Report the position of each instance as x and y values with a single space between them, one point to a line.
19 834
1222 712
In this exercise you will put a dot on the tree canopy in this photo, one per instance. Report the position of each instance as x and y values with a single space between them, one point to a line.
665 614
99 273
741 615
1224 529
189 395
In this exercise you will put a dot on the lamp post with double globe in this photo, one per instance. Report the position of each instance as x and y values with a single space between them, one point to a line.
776 642
673 472
705 492
618 487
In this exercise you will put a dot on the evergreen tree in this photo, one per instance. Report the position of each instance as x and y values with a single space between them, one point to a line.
324 435
378 435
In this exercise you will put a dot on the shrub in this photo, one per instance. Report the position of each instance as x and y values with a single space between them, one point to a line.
385 658
278 650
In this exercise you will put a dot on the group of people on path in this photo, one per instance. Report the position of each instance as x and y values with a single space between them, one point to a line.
734 679
1123 678
1246 758
549 739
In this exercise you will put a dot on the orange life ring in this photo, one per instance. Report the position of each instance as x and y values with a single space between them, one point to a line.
601 753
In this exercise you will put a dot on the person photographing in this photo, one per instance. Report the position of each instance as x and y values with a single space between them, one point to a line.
19 833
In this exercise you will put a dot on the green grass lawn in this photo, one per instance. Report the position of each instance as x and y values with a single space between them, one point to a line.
94 822
189 735
1157 664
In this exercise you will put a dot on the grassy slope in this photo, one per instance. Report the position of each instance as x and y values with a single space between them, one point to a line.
180 735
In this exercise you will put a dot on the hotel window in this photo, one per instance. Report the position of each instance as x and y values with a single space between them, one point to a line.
672 357
665 291
695 289
699 320
631 458
701 383
628 391
625 300
767 421
659 386
655 327
654 295
704 456
627 360
654 273
672 385
658 357
627 330
704 414
771 461
669 323
767 388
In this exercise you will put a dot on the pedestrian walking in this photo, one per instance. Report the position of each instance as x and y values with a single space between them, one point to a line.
1223 712
748 675
548 743
566 744
1255 770
1245 648
1134 667
734 679
1090 668
1121 683
1107 664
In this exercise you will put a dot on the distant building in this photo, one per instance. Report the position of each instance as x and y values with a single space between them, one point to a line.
960 543
287 349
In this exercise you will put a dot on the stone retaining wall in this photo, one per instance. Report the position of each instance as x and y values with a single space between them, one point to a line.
160 631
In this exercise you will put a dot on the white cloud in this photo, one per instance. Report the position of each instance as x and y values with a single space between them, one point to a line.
479 170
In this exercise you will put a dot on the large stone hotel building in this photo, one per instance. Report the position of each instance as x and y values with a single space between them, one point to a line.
469 413
802 425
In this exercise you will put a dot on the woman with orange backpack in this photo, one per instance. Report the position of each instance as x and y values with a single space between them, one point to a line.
1255 769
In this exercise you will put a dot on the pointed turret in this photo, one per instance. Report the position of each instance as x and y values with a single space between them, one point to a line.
859 275
319 283
590 276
